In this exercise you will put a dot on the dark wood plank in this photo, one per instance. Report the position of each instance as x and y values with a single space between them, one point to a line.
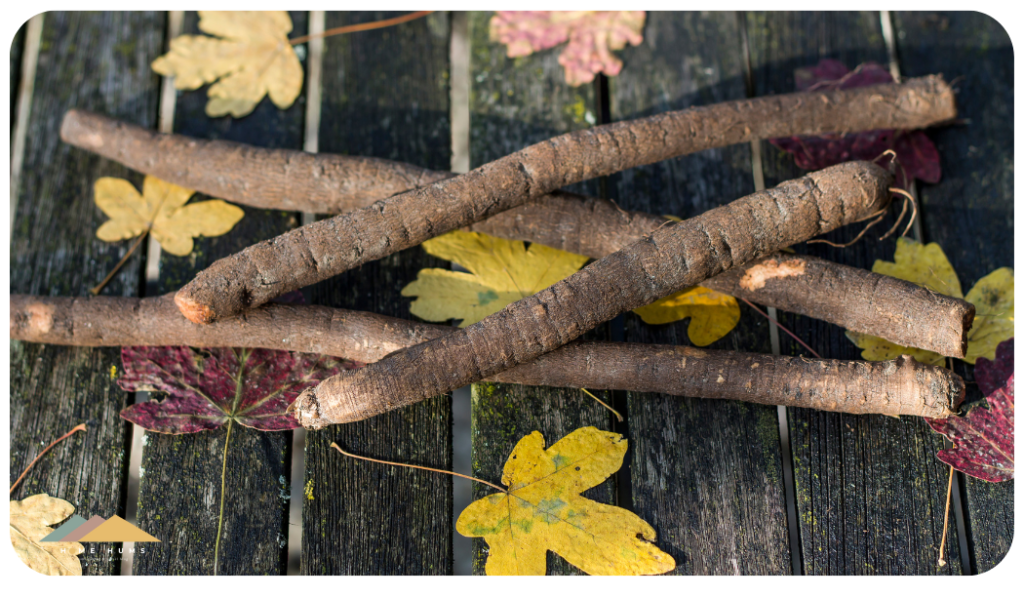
725 512
970 212
17 49
870 494
515 103
385 94
180 489
97 61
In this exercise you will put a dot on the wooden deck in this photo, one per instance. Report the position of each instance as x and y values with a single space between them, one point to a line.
730 488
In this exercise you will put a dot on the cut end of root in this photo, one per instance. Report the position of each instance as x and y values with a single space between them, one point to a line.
195 312
306 410
969 313
80 128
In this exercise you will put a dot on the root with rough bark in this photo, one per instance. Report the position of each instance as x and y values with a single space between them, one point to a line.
667 260
899 387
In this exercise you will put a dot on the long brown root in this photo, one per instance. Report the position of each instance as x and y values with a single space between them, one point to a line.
579 224
670 258
319 250
900 387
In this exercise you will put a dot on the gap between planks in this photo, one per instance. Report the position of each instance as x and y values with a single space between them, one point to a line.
165 124
29 61
757 172
462 399
311 144
889 35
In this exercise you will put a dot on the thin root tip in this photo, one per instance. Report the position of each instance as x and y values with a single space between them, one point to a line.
195 312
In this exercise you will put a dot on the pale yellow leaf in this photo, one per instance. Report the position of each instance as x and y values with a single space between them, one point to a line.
543 510
924 265
130 214
992 297
712 314
446 295
501 272
253 59
879 349
31 519
211 218
162 210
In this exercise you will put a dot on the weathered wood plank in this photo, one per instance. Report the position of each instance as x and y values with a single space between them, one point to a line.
385 94
514 103
870 494
17 47
97 61
180 488
725 512
970 212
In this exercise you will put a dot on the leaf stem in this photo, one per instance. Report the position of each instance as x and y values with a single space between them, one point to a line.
362 27
945 520
78 428
96 289
618 415
783 328
334 445
223 484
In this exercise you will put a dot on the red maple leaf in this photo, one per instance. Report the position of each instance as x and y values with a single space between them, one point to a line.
209 387
915 151
984 437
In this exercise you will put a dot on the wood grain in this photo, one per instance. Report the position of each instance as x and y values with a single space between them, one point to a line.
180 489
970 212
385 95
97 61
514 103
861 509
717 503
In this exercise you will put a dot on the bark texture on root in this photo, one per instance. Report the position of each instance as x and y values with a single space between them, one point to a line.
898 387
669 259
327 183
323 249
853 298
856 299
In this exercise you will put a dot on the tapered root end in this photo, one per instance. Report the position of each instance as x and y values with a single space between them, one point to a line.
306 410
194 311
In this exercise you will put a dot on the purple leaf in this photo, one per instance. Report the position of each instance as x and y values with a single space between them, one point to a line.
916 153
984 437
208 387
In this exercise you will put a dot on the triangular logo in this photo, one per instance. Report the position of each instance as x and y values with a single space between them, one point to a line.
116 529
79 532
61 532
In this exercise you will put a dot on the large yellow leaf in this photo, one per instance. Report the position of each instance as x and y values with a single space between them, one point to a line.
501 272
927 265
992 296
543 510
161 210
30 521
253 58
712 314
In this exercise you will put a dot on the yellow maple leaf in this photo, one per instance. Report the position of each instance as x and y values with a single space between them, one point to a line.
160 210
503 271
253 58
712 314
927 265
31 519
542 510
500 272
